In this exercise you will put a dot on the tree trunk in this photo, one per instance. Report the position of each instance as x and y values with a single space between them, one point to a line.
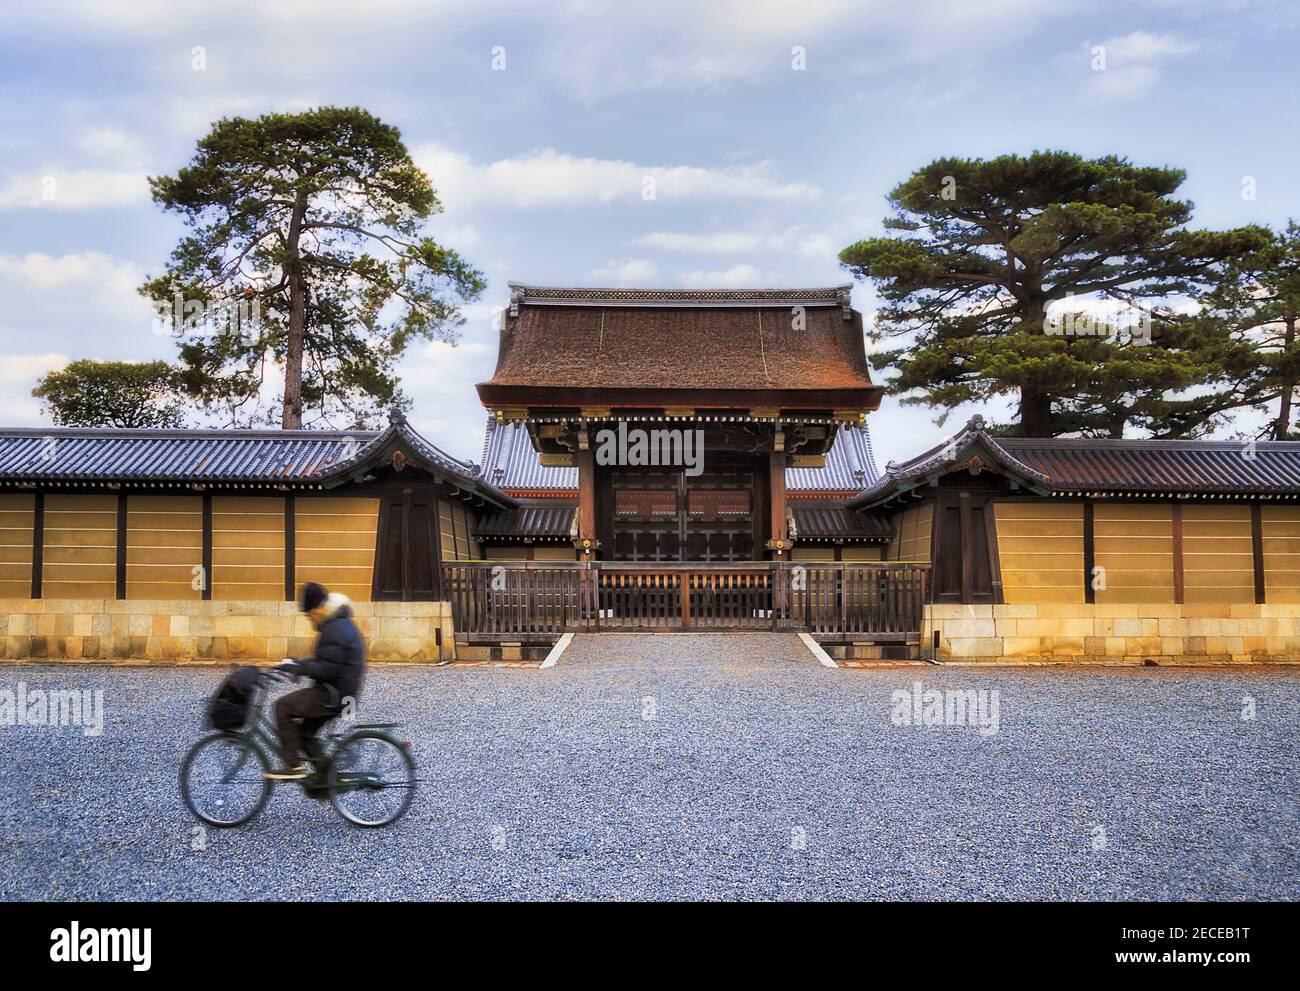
1035 413
291 418
1282 426
1035 405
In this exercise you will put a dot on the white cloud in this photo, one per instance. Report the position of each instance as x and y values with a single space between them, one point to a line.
549 178
596 47
1141 46
73 189
736 277
633 272
114 144
810 244
440 380
75 297
1126 66
19 374
106 277
24 369
684 44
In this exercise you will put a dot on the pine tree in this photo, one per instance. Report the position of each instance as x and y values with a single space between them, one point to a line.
988 268
306 251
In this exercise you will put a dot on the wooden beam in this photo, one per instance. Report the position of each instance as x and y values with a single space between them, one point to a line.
779 534
207 545
1178 552
967 551
995 559
291 547
38 543
435 544
1089 552
121 545
519 402
1257 548
586 462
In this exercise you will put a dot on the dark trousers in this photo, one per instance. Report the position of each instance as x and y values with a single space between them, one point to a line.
298 717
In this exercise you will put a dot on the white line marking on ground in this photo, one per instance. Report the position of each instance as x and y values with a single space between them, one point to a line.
826 660
557 650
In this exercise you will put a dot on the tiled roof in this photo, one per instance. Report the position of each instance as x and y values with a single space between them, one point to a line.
838 523
510 462
850 465
699 342
1087 466
182 455
1163 465
522 295
550 520
77 455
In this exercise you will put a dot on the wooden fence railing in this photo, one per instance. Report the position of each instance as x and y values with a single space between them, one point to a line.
539 600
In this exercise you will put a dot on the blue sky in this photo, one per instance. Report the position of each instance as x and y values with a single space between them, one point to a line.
763 172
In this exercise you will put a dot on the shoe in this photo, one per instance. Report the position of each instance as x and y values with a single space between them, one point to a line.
295 773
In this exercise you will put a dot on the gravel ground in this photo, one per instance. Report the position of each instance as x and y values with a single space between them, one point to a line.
695 767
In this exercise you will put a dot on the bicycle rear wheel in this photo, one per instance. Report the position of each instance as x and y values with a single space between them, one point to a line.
371 779
222 780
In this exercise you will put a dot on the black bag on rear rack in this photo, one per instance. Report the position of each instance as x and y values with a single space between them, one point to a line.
229 708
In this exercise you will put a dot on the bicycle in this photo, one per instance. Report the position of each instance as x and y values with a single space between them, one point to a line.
223 783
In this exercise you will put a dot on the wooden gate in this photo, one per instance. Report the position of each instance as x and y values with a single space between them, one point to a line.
537 601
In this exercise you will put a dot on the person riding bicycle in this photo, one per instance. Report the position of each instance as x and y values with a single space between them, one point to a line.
336 669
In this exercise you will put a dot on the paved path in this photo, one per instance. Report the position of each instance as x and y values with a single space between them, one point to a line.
695 767
653 653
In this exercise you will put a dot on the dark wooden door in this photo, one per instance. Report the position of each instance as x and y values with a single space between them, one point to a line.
665 516
407 569
965 549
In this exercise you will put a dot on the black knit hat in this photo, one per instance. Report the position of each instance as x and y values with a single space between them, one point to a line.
311 596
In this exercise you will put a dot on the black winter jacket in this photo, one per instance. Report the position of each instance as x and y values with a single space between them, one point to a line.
340 653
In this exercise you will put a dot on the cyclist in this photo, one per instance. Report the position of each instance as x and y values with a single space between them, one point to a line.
336 670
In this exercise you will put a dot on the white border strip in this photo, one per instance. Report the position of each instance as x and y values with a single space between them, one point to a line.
826 660
557 650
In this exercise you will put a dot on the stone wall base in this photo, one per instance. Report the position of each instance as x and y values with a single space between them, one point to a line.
1161 633
180 631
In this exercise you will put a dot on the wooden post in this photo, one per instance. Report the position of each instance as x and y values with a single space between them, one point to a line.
121 545
1257 549
1089 553
586 462
780 537
38 543
967 555
776 464
207 546
1178 552
291 547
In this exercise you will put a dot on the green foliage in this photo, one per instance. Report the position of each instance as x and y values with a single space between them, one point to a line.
977 254
307 229
1257 306
112 394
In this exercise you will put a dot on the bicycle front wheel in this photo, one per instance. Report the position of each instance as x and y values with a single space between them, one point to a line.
371 779
223 780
